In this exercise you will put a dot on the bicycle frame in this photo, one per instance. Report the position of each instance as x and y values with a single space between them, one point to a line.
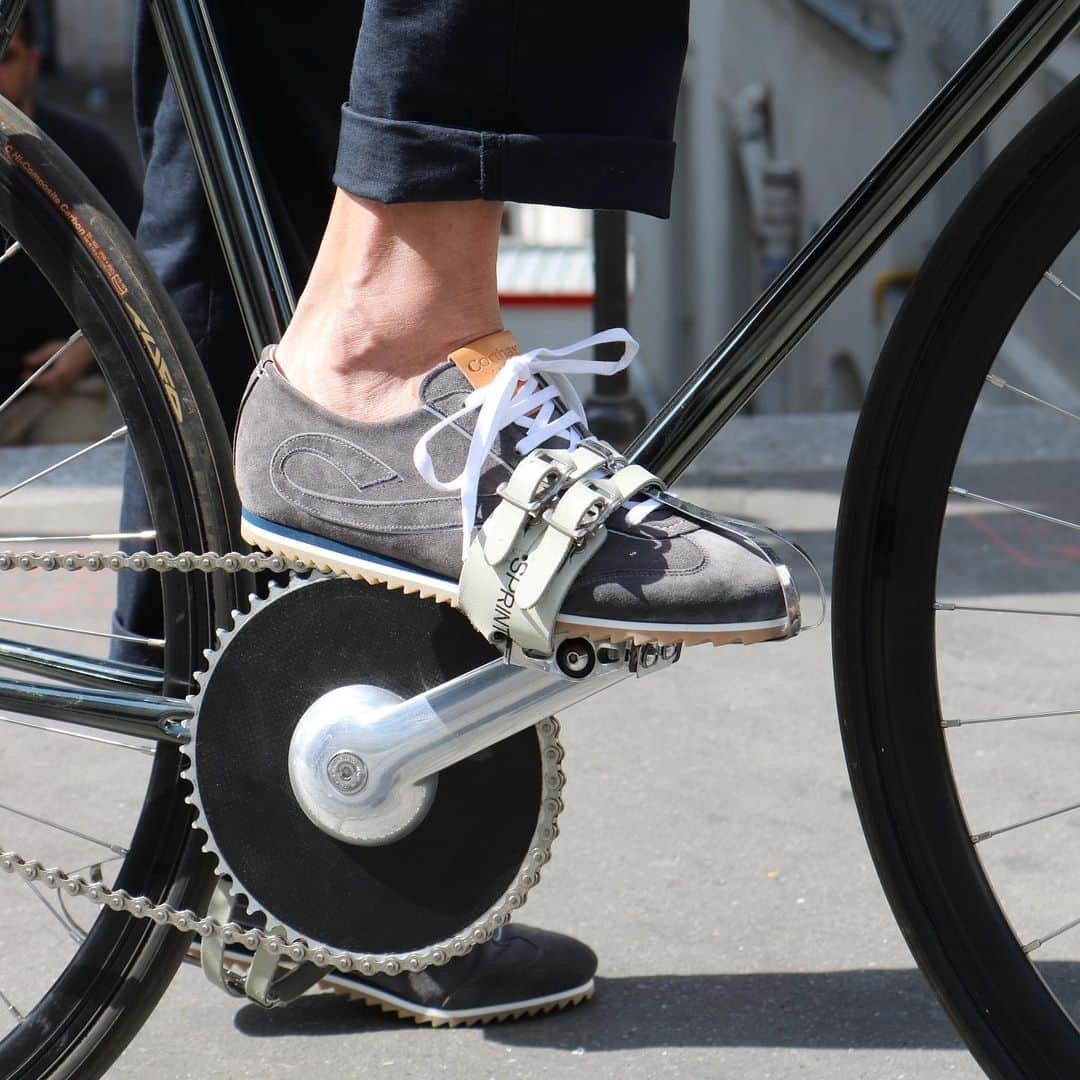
728 377
759 341
764 336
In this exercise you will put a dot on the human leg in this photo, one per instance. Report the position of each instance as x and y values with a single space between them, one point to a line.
395 288
452 109
176 230
522 970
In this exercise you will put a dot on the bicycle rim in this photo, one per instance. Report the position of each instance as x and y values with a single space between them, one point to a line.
114 976
922 807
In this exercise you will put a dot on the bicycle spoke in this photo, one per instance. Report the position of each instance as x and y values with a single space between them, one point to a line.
1001 719
75 735
954 490
1001 384
119 433
6 1001
944 605
68 929
978 838
1031 946
153 643
146 534
116 849
1058 283
34 376
9 251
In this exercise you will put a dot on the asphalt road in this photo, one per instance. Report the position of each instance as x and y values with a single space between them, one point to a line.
709 851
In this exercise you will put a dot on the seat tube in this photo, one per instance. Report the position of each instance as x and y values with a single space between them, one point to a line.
226 167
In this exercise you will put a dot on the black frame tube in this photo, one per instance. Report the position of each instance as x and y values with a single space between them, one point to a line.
223 157
144 716
10 13
79 669
764 336
768 332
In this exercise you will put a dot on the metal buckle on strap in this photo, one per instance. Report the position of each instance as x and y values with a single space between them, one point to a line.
606 501
578 535
534 506
551 484
603 449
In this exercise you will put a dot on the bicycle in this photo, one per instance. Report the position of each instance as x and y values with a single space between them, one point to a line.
901 476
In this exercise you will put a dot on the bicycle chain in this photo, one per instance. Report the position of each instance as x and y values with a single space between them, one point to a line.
186 562
185 920
299 951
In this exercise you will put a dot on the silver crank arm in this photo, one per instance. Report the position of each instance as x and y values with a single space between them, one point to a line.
476 710
363 764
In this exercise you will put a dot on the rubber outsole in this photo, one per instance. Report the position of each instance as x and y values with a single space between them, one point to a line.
466 1017
417 583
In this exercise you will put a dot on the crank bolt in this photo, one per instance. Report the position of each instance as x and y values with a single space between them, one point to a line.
347 772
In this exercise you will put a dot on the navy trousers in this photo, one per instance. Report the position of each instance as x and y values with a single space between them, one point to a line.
561 102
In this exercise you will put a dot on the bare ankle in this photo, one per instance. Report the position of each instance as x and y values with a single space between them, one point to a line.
394 289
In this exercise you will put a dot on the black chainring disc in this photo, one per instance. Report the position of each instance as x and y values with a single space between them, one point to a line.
429 886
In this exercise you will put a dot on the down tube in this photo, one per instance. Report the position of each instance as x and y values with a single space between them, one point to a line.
765 335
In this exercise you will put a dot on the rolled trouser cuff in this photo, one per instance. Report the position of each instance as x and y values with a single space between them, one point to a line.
404 161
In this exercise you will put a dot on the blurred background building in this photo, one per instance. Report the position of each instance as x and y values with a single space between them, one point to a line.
787 103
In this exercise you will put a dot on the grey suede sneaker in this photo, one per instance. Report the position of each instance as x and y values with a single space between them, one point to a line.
383 502
521 971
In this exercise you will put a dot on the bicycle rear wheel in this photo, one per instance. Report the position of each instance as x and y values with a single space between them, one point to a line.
98 993
975 922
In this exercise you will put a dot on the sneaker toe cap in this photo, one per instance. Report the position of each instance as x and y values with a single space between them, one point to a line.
522 964
698 578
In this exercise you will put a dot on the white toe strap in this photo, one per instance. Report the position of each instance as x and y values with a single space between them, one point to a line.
533 484
524 559
538 480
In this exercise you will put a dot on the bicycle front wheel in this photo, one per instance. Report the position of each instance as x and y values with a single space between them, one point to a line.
954 653
76 982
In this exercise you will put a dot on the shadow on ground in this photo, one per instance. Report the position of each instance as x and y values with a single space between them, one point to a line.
864 1009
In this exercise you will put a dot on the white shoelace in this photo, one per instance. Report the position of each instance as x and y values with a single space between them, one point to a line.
517 396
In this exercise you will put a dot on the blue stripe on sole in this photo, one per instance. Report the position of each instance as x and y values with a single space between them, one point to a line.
333 547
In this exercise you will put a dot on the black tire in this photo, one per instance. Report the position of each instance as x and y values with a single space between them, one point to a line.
121 969
969 292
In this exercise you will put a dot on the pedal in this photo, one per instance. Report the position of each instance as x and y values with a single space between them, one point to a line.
579 658
267 978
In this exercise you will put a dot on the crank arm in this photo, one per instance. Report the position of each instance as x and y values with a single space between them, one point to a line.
363 766
485 706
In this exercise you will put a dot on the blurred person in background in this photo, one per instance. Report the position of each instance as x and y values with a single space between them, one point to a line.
36 323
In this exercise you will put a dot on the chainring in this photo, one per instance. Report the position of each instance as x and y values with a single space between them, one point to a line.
436 892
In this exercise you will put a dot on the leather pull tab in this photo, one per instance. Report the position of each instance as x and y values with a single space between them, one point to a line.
481 360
